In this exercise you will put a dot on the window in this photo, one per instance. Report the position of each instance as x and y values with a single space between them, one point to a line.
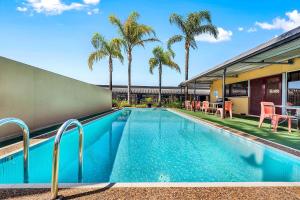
294 88
237 89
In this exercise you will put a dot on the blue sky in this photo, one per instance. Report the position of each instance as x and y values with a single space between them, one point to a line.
55 34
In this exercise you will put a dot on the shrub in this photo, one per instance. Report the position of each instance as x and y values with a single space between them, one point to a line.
175 104
115 103
141 106
124 104
148 100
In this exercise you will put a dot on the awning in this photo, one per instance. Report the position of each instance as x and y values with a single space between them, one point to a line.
279 50
202 89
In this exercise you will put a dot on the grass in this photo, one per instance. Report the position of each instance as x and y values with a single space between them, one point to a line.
250 125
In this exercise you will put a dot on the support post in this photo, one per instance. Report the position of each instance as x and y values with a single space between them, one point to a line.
223 92
180 96
194 95
284 93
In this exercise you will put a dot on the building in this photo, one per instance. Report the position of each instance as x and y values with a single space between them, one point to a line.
268 72
169 93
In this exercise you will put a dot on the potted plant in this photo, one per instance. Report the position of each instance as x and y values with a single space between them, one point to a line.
149 102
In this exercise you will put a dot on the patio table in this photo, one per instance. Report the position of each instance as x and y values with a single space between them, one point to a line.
296 116
214 106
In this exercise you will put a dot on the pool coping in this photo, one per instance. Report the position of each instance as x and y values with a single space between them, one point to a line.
169 184
278 147
18 146
151 185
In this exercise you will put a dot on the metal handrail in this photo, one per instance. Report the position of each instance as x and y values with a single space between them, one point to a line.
61 130
25 130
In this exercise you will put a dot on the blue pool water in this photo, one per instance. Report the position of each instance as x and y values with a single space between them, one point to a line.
154 145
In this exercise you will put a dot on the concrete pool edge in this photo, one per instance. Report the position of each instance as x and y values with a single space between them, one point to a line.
153 185
261 141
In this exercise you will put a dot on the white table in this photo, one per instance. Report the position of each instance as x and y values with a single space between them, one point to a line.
296 108
214 106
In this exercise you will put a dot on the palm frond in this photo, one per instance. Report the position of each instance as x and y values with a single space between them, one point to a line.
117 22
173 40
153 62
193 43
146 30
133 16
142 42
117 54
208 28
204 15
96 56
178 21
98 41
167 60
172 65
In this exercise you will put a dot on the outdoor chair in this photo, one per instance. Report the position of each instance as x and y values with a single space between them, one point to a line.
198 105
268 112
187 105
228 108
205 106
193 105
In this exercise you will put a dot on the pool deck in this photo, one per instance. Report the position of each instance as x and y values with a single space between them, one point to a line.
245 193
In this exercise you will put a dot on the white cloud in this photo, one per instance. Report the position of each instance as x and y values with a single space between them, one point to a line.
224 35
240 28
53 7
292 21
251 30
93 12
56 7
94 2
21 9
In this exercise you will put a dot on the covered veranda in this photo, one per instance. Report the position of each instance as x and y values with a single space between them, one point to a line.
278 57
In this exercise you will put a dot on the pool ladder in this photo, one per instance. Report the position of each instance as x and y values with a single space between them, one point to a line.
25 130
55 161
55 166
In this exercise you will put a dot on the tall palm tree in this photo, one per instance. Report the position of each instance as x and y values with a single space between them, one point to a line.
103 49
161 58
132 34
194 24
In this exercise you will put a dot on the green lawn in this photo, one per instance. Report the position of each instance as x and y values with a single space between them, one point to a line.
250 125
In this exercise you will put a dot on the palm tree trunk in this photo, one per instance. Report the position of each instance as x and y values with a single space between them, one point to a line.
159 90
110 72
129 77
187 55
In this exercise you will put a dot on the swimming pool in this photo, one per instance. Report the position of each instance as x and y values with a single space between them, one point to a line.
154 145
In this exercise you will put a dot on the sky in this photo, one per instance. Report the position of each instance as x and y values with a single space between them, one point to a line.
55 34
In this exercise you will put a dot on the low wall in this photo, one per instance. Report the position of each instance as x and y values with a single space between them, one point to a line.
240 105
42 98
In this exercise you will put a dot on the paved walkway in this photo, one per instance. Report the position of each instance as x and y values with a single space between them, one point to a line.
230 193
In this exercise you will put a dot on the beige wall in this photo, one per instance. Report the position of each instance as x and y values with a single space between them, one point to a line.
42 98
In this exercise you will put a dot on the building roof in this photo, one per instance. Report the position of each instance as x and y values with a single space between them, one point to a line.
122 89
277 50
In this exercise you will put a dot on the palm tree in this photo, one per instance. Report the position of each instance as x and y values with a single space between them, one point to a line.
103 48
132 34
195 24
161 58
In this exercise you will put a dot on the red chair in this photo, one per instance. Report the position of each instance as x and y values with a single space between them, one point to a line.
193 105
198 105
228 108
268 112
205 106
